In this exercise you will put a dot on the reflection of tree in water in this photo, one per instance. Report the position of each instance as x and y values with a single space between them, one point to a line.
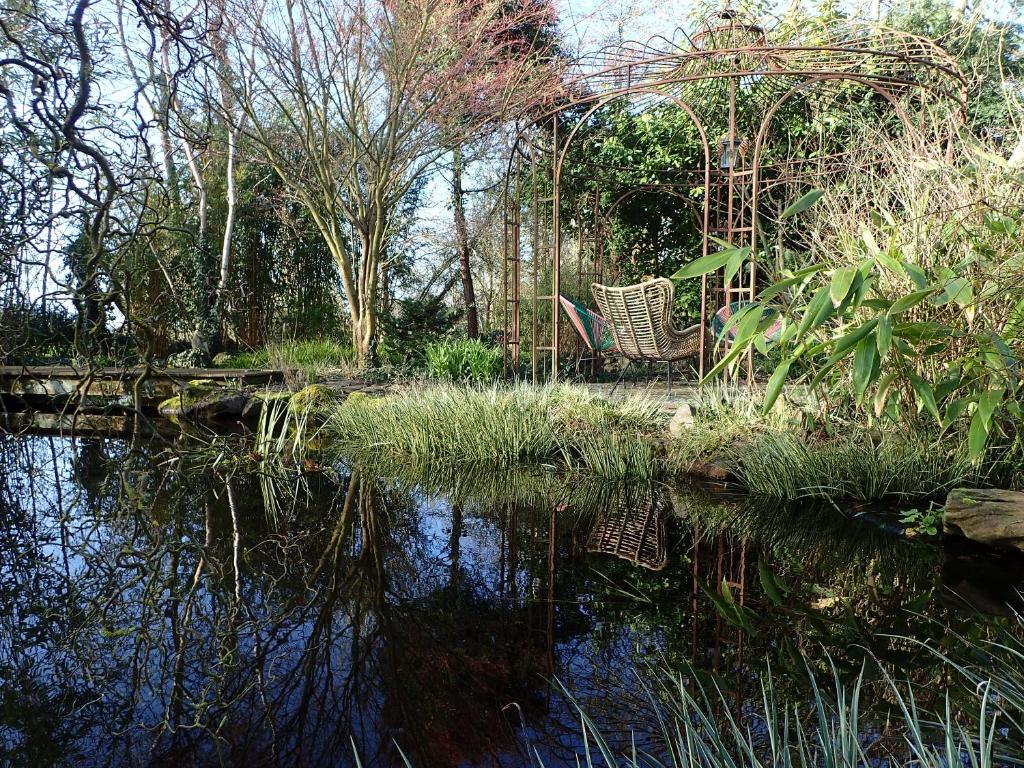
157 609
334 628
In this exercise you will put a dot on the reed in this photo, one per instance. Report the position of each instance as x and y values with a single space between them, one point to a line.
694 724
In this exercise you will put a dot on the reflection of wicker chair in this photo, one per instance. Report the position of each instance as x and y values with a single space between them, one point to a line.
641 321
635 531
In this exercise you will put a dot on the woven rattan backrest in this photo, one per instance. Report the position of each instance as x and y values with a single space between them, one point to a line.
640 316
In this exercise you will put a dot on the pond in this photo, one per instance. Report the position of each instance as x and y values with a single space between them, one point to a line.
178 604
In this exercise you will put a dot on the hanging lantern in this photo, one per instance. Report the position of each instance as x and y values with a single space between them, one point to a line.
731 151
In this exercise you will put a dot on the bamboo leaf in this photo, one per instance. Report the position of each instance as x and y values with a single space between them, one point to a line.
775 383
977 436
739 255
852 338
710 263
863 364
882 393
883 336
801 205
926 395
842 281
904 303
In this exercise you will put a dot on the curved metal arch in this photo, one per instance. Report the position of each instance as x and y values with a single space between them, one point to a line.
769 116
664 189
609 98
900 62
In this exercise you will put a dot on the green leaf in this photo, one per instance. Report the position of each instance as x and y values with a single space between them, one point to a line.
739 255
772 584
824 369
926 395
710 263
903 303
918 332
853 337
1000 225
870 242
775 383
798 277
801 205
987 404
977 435
883 337
882 393
863 364
820 304
842 280
917 275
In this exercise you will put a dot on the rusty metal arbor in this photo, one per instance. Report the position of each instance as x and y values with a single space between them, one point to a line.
738 83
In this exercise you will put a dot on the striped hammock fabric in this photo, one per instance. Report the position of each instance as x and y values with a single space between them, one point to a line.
591 327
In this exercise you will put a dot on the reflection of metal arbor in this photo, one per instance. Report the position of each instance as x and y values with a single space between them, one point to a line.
742 90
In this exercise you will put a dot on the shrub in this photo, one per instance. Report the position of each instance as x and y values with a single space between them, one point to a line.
907 300
468 360
30 336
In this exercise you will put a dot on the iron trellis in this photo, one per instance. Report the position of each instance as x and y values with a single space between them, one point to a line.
731 79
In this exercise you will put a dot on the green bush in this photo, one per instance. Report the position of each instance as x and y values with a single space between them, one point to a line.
464 361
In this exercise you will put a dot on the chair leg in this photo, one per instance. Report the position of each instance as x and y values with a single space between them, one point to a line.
668 365
622 375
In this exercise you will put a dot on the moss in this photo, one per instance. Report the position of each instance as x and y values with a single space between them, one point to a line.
272 395
315 399
203 399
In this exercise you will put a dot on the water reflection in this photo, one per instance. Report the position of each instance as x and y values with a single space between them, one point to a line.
176 608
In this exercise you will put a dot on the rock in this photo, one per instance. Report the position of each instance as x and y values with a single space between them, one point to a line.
315 398
205 402
221 359
991 517
681 420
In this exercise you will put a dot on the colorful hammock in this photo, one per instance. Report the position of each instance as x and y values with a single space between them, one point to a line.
592 328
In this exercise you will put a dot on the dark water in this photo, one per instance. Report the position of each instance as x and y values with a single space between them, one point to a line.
178 607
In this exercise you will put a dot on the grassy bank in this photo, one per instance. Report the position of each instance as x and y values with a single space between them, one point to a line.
792 452
800 450
501 426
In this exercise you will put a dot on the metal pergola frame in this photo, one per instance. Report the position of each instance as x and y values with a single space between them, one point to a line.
731 80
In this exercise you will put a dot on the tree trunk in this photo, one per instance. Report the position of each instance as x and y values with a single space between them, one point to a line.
462 246
363 299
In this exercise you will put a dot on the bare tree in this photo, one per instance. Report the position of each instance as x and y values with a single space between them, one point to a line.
351 102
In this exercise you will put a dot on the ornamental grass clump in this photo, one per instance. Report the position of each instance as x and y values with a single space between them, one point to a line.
499 426
863 465
724 416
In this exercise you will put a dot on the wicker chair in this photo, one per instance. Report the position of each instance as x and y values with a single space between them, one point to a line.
641 321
